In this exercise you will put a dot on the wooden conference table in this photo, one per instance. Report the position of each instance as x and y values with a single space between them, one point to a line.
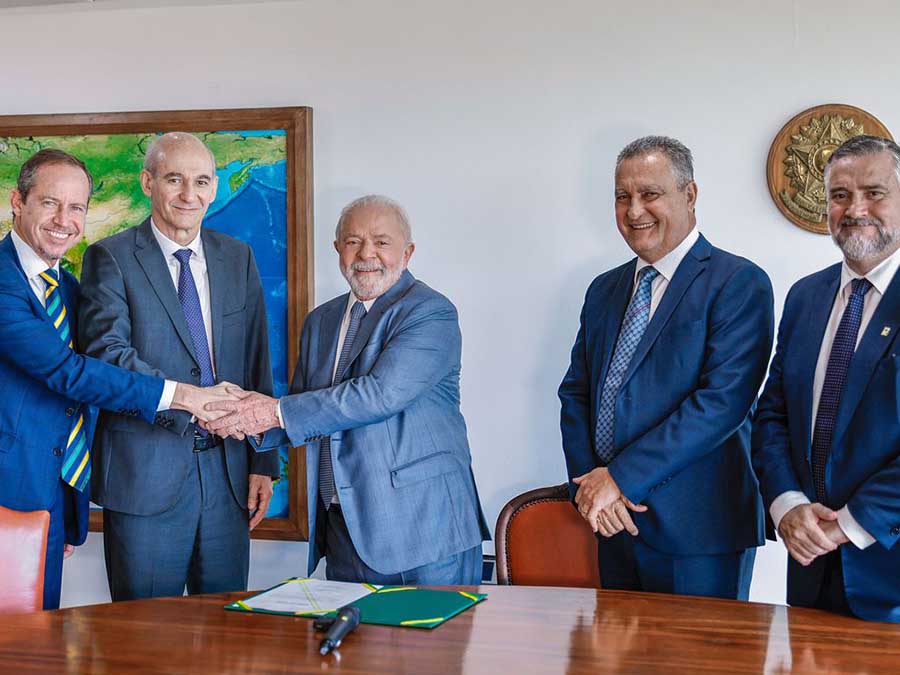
516 630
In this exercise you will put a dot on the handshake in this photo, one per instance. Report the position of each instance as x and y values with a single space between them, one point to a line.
228 410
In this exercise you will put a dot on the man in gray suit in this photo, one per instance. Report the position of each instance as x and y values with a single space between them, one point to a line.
171 299
375 399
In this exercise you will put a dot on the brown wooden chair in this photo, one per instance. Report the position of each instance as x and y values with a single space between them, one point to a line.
542 541
23 545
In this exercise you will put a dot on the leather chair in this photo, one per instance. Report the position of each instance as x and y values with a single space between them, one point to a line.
542 541
23 545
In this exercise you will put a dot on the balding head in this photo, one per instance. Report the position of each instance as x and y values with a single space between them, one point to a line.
170 142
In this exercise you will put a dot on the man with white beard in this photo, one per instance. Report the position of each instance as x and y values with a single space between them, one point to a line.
375 399
826 440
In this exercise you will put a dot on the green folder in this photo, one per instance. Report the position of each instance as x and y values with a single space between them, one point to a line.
414 607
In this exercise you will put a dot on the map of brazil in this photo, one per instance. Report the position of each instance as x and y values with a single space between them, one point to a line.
250 205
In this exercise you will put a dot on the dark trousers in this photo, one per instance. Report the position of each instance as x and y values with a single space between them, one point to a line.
344 564
832 596
202 542
628 564
56 540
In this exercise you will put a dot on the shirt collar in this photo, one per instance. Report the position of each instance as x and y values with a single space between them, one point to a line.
880 277
353 299
667 265
32 263
169 247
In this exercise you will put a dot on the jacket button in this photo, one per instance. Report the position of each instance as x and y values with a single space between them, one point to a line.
195 372
895 530
57 451
70 411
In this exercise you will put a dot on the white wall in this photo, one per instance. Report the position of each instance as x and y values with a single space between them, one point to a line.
496 124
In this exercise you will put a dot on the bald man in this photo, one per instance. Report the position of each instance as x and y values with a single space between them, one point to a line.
173 299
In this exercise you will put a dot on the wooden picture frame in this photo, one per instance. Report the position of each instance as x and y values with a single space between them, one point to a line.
295 123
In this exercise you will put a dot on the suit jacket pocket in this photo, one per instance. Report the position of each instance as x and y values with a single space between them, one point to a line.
430 466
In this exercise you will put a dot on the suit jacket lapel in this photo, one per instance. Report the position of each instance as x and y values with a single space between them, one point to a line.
871 348
816 320
327 347
8 248
218 287
691 265
373 316
150 258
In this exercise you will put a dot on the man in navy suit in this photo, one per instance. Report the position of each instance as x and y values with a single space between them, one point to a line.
826 441
172 298
47 389
375 399
657 401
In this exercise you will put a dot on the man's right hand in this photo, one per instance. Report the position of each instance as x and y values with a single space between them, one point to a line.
803 535
194 399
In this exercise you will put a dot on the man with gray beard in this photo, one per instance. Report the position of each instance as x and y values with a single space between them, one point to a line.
375 399
826 440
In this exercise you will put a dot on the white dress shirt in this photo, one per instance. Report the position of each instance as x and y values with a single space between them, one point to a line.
880 278
666 266
33 265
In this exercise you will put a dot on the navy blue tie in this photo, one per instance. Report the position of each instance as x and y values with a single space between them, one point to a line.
326 470
835 376
193 315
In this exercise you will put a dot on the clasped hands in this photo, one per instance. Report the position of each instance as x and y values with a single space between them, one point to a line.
810 530
602 504
228 410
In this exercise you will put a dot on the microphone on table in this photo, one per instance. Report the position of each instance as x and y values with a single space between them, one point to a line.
345 622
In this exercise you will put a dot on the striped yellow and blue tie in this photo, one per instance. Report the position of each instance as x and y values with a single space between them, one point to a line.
76 468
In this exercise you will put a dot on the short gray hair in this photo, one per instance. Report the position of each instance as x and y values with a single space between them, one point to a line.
679 156
382 202
157 149
863 145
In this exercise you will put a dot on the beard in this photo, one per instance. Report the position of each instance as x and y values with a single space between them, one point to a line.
371 286
860 247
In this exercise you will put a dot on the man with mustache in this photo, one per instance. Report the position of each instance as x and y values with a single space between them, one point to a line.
375 399
657 401
826 440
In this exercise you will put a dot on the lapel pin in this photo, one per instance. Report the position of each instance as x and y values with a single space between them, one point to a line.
885 331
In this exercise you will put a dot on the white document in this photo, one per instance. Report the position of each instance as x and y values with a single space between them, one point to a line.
307 596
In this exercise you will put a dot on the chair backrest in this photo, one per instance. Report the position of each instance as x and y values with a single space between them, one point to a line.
542 541
23 545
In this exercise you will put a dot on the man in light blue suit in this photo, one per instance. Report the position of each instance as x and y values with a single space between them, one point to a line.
47 390
375 399
657 401
826 440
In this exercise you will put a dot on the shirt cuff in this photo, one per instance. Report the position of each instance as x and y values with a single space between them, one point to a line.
165 401
278 413
784 503
854 531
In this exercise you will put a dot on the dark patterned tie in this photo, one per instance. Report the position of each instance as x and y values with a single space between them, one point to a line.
193 315
835 377
326 470
637 316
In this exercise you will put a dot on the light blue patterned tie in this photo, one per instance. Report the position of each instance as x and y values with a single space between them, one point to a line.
637 316
326 471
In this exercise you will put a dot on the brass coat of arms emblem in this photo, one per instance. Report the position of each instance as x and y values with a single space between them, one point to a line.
798 154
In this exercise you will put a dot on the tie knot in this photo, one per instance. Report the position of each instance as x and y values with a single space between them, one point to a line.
183 255
51 277
647 274
860 286
358 311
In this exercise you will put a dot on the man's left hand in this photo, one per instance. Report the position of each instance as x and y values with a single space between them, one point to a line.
68 550
833 531
598 492
253 414
258 498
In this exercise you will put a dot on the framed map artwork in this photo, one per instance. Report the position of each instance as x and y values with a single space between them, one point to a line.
264 165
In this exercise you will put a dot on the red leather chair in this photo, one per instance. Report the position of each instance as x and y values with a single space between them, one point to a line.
542 541
23 545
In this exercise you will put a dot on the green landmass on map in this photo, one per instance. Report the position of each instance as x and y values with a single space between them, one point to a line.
115 161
